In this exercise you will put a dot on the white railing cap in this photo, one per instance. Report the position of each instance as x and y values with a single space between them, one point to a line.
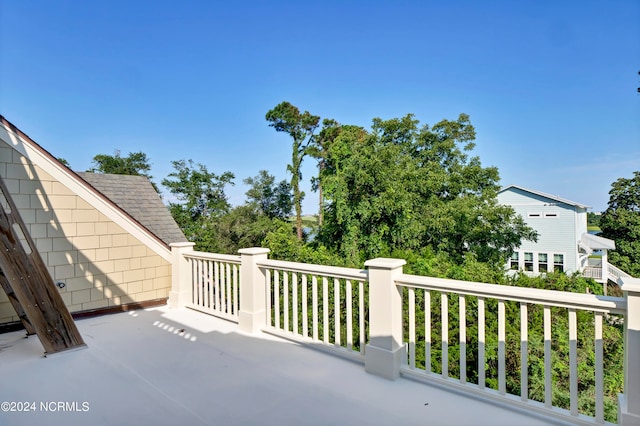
254 250
629 284
564 299
182 244
385 263
230 258
310 268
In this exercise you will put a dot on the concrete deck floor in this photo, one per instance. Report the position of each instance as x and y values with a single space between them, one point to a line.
140 368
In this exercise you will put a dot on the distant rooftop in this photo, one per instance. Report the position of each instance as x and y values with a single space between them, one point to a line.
545 195
136 196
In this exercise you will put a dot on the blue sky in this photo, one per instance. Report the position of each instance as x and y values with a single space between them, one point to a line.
551 87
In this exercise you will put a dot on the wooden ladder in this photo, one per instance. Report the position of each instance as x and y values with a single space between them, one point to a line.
28 285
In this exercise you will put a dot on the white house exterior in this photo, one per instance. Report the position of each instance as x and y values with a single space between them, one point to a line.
564 243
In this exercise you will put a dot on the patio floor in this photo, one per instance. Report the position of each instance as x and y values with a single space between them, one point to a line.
168 366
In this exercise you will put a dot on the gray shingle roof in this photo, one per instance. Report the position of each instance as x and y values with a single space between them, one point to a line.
136 196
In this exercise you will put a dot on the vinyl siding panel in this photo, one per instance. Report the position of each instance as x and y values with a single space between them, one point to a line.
559 225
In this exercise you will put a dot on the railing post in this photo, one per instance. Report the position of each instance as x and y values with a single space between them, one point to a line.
252 290
629 402
385 352
180 293
605 270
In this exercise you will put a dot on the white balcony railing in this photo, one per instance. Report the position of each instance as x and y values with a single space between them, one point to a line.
383 318
214 284
317 304
477 304
613 273
616 272
594 272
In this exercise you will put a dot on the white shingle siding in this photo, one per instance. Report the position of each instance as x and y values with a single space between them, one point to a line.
100 262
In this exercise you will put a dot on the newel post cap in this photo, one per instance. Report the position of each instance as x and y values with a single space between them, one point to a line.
385 263
254 250
185 244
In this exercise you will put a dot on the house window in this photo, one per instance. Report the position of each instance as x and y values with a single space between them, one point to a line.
534 215
543 262
513 262
528 261
558 262
551 215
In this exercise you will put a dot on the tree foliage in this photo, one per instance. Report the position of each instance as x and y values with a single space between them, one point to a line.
405 187
287 118
284 244
267 207
621 223
242 227
134 164
593 219
201 200
268 198
318 150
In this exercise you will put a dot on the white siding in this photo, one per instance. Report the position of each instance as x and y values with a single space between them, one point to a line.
559 225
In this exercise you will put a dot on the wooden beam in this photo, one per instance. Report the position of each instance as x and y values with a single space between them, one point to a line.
4 283
32 287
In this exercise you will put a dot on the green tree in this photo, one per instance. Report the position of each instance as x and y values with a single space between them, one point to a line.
268 198
318 150
242 227
135 164
267 207
284 245
201 200
287 118
593 219
621 223
405 187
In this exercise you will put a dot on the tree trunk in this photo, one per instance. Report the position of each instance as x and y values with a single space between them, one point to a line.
296 160
320 210
299 220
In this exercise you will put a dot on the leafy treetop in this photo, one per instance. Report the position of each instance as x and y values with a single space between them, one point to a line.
621 223
134 164
287 118
405 187
274 201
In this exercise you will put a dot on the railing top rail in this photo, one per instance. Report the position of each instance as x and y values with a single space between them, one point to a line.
619 273
308 268
564 299
230 258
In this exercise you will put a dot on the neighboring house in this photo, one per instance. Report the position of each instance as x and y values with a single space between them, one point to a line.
564 244
104 238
